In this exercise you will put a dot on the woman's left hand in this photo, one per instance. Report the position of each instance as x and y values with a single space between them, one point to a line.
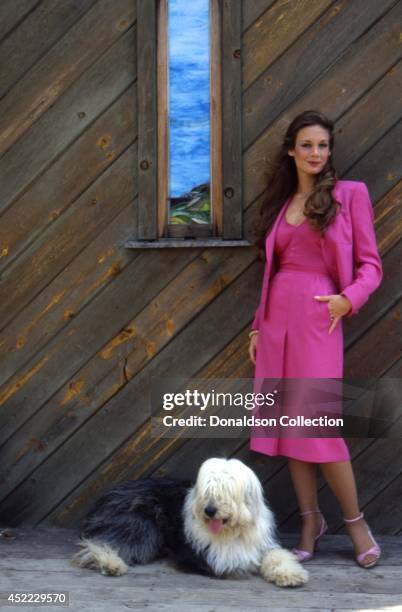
338 306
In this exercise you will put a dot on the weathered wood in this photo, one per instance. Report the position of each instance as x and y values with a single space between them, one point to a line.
89 214
100 144
387 173
162 586
380 301
334 92
172 455
216 109
202 270
58 544
60 309
337 554
316 49
232 181
165 243
178 356
274 32
169 590
13 13
162 118
381 101
34 158
94 210
388 219
254 10
390 498
146 105
142 455
385 339
85 100
90 272
39 31
137 342
39 89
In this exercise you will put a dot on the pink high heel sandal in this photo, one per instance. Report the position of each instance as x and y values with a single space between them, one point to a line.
305 555
375 550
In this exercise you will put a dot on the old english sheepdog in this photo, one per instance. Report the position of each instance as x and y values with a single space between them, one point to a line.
219 526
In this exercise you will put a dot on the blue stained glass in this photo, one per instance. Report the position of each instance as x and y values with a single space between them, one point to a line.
189 111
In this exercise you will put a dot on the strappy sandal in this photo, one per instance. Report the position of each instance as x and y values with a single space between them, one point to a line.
305 555
375 550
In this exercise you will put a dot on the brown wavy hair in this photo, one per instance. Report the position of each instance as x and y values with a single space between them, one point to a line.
320 207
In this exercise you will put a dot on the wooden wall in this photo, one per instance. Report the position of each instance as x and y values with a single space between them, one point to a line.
86 323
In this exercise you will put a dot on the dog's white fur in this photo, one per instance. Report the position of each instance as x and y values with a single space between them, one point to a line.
100 556
246 542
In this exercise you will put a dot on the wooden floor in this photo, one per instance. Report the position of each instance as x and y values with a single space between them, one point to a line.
39 559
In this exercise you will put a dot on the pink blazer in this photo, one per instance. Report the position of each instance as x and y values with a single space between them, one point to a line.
349 249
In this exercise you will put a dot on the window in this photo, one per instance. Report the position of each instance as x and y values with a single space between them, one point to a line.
189 123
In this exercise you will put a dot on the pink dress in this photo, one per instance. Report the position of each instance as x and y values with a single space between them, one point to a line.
293 341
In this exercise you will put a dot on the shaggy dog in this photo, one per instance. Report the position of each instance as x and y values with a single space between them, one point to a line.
219 526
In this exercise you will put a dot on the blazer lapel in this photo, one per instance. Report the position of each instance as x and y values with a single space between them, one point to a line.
269 253
270 241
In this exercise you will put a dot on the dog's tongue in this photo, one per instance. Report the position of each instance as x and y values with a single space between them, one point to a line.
215 525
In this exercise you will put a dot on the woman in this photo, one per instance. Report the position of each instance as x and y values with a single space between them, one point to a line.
322 264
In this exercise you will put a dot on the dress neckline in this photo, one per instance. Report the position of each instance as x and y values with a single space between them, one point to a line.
284 216
292 225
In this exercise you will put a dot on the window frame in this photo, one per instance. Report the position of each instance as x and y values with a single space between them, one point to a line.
226 130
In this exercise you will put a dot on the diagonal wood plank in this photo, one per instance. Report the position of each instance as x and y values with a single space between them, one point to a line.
92 212
39 31
334 92
138 341
311 55
66 61
94 99
389 171
388 498
381 101
253 10
179 355
36 210
90 95
12 14
275 31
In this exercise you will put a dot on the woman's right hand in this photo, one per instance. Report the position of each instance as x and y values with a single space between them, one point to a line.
252 349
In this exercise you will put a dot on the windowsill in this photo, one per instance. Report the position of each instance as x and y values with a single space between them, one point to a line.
164 243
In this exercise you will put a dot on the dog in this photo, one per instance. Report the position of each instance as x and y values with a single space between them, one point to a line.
219 526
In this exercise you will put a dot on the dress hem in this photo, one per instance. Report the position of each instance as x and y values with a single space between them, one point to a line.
301 458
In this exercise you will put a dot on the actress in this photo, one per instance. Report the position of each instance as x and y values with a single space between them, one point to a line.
322 264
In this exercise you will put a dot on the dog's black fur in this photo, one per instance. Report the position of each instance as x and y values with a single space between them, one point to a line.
142 520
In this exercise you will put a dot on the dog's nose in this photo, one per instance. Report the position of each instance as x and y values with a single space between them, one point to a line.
210 511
